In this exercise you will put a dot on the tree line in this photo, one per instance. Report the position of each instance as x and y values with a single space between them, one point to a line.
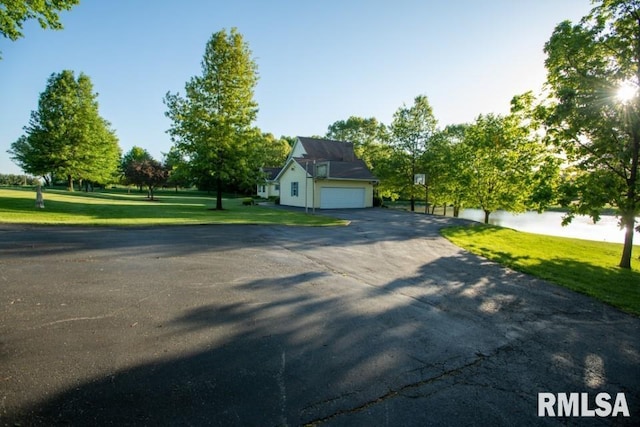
496 162
18 180
67 139
576 145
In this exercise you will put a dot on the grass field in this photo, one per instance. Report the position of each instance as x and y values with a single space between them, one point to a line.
118 207
584 266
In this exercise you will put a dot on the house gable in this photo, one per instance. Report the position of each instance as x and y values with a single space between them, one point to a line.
297 150
319 169
335 159
295 185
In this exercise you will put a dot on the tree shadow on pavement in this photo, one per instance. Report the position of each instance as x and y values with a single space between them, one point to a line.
427 336
314 347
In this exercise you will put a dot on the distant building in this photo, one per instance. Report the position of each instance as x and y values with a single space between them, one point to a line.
270 186
325 174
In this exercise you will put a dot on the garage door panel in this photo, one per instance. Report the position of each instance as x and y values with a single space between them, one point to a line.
342 197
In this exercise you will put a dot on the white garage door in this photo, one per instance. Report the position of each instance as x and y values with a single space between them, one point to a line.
340 198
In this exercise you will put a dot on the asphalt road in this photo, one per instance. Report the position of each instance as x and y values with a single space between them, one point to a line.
382 322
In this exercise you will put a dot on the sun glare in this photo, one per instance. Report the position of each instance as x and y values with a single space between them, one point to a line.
626 91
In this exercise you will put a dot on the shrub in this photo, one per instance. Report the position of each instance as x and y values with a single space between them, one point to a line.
248 202
18 180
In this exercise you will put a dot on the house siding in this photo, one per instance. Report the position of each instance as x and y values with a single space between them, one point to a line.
295 173
269 190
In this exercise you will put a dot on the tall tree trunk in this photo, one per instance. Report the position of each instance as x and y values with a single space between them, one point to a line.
218 193
629 222
486 216
628 217
69 183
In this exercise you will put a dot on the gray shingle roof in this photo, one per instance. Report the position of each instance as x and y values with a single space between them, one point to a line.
326 149
342 160
271 173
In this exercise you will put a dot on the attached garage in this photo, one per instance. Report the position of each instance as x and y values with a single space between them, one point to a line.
342 197
325 174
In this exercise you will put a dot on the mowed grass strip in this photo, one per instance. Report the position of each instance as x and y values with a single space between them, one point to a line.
584 266
134 209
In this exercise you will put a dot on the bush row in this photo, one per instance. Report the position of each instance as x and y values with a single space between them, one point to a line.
15 180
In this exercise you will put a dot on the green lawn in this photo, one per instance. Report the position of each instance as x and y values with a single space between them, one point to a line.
584 266
115 207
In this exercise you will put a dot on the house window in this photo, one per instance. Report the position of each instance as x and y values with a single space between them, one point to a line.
277 187
262 188
321 171
294 189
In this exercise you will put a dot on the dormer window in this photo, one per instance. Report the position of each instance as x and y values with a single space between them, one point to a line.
322 170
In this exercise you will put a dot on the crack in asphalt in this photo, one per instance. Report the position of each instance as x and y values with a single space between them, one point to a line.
397 392
506 348
330 400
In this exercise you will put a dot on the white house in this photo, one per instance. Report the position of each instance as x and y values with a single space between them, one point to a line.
269 187
325 174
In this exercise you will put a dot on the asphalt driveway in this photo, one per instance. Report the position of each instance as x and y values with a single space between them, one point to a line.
382 322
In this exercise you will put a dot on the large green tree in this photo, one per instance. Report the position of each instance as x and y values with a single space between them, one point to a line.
66 135
411 131
593 76
271 151
177 169
506 165
258 150
13 14
446 162
135 154
211 124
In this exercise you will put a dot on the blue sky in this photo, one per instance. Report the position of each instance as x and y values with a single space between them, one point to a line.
318 61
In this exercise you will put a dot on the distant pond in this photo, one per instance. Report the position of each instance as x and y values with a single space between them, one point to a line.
550 223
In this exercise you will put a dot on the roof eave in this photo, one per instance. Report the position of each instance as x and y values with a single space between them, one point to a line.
331 178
